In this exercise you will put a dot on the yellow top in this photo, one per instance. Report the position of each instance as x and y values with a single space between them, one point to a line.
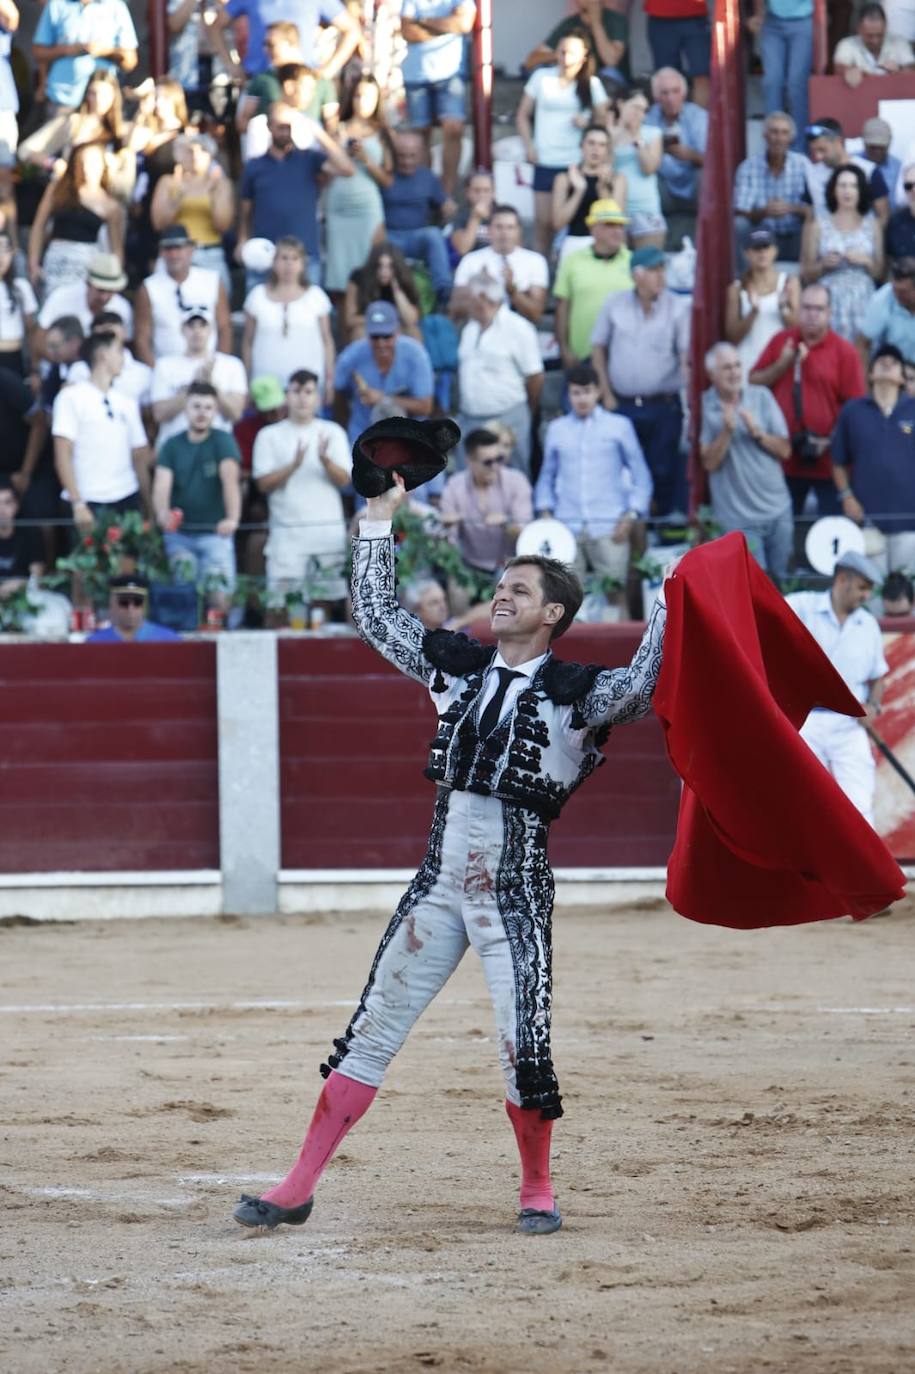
196 214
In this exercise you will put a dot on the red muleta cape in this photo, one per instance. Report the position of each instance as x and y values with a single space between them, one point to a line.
765 836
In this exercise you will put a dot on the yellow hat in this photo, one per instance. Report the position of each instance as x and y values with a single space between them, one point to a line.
605 212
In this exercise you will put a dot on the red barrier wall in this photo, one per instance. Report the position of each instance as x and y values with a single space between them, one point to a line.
108 757
354 737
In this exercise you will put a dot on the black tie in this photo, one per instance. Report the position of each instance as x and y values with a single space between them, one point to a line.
493 709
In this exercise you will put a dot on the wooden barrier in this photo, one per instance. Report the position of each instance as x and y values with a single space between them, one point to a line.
830 97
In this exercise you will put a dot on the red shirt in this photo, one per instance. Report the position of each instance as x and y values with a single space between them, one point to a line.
831 374
677 9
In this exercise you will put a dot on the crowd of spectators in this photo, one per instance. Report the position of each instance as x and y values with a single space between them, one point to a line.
214 281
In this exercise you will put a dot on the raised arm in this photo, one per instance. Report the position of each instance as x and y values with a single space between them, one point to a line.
620 695
379 617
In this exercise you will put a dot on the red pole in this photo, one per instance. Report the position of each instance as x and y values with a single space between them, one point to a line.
714 231
821 53
158 37
481 84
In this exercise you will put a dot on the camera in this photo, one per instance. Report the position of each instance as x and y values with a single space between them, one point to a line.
809 448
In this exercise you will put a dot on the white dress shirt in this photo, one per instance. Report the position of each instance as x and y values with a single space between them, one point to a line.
854 646
494 362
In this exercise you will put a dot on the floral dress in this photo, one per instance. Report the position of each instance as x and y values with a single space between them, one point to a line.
850 287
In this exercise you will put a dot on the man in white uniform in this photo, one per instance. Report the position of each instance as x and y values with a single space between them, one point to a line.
301 466
850 637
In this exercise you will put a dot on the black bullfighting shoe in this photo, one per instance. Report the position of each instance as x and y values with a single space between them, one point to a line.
534 1223
254 1211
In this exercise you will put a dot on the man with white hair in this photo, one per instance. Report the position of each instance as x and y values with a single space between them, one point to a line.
684 130
769 189
743 444
500 370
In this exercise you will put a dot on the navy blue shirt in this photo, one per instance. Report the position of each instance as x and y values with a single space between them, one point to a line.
409 201
900 234
285 195
879 451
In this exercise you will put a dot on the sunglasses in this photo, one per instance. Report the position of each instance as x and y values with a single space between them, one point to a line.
134 601
107 404
818 130
908 186
488 462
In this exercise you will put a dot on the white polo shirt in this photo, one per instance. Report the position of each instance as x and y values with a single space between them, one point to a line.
528 268
133 380
70 299
854 647
105 428
493 364
172 373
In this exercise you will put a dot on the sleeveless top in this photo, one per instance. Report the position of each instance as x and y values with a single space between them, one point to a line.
196 214
76 224
577 226
767 324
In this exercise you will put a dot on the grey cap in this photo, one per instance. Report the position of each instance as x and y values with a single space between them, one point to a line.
857 563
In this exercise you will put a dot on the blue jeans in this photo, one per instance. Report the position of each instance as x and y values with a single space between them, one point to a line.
681 43
429 245
824 492
658 424
770 542
786 46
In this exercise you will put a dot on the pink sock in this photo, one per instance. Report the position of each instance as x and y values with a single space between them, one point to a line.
341 1104
533 1135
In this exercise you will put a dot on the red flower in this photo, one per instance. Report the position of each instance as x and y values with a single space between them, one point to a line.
113 533
88 542
146 527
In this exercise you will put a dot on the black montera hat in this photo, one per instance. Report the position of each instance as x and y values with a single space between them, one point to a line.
417 449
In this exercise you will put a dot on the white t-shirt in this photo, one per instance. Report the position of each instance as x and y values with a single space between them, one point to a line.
287 336
172 373
133 380
14 305
557 138
70 299
492 365
105 428
528 268
307 510
172 302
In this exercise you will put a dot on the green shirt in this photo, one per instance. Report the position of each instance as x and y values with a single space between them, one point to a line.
585 281
196 484
616 27
266 88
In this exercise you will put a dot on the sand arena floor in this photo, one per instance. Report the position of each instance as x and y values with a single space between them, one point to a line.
735 1164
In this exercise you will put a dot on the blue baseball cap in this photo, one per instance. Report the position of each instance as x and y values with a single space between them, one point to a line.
381 318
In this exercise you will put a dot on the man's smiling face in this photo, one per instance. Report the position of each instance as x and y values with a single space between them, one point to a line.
517 610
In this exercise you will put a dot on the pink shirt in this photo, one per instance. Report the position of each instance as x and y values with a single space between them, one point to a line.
482 545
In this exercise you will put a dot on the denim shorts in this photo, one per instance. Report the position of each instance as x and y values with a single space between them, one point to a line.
545 176
434 100
203 555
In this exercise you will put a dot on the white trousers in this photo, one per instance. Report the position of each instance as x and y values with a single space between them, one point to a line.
485 882
841 745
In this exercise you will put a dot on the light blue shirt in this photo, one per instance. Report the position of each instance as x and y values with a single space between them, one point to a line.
70 21
593 472
439 58
854 646
307 15
410 375
886 321
681 178
790 9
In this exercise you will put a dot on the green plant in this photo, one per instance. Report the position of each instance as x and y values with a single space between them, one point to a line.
421 553
117 539
15 609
